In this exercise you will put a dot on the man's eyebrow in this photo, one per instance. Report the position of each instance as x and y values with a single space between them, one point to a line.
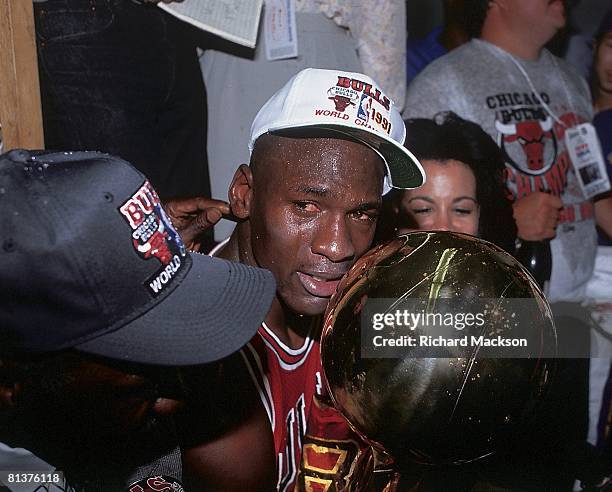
311 190
369 205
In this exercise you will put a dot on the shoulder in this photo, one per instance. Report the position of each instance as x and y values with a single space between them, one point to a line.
441 85
224 430
242 458
577 83
223 392
446 64
567 68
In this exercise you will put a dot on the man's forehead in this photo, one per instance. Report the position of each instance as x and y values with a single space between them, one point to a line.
324 160
316 164
316 147
313 138
328 182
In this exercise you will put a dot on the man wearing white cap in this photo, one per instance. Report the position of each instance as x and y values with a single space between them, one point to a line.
323 149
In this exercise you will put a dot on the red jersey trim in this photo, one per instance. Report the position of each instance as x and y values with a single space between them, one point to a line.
288 358
253 362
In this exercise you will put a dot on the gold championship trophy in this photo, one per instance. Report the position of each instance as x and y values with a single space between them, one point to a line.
437 348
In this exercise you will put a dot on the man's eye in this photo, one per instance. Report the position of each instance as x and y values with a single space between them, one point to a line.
367 216
308 207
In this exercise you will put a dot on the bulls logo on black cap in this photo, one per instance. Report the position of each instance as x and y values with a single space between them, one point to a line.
153 236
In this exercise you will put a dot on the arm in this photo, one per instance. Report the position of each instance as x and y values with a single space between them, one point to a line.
225 434
242 459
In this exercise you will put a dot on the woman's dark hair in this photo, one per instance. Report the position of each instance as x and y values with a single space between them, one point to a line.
448 137
604 28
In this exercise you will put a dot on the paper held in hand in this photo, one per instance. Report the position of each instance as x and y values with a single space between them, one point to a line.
234 20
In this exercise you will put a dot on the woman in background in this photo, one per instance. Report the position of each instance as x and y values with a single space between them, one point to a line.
464 191
601 86
598 289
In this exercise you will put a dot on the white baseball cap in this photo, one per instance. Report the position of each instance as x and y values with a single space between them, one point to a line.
348 103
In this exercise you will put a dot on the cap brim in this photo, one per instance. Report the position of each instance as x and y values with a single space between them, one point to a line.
405 170
216 309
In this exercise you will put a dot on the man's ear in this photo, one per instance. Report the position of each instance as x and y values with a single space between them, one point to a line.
241 192
9 387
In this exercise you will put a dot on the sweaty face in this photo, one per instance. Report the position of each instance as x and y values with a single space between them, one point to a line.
447 201
314 212
603 64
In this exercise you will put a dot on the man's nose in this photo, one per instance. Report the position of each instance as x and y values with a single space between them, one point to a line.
333 240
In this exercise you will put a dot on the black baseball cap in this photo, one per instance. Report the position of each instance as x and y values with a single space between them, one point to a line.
89 260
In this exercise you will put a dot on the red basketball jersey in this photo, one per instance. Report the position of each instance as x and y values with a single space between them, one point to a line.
287 379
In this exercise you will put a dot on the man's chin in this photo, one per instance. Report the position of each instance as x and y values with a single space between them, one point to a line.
309 305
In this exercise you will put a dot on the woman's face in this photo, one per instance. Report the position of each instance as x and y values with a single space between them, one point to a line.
603 63
446 202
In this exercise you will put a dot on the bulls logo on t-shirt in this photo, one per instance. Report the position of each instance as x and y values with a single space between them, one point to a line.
530 146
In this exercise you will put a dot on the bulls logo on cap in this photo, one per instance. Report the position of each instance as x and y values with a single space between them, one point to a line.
342 97
153 236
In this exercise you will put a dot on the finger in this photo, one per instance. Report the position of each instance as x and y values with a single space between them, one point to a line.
553 201
551 223
546 230
231 216
201 203
551 215
190 234
206 219
225 208
213 215
181 207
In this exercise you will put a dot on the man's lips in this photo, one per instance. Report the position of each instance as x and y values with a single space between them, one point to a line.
319 284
